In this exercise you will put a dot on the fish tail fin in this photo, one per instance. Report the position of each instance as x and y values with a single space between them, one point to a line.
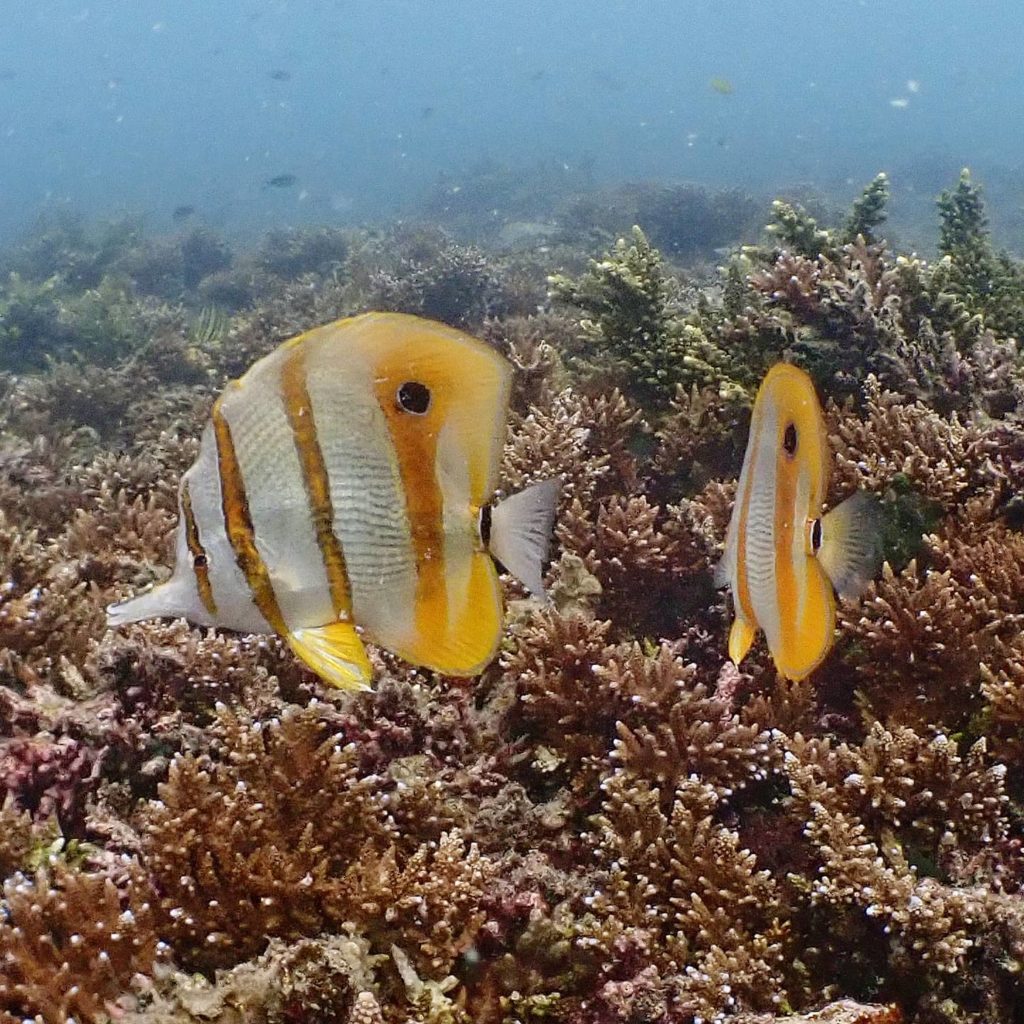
741 636
521 532
335 653
851 548
165 600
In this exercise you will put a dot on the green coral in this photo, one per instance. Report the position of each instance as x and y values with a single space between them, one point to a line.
632 326
800 233
30 324
41 321
989 283
869 211
797 230
840 302
62 246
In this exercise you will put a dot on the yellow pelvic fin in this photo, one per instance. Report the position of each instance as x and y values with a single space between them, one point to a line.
741 636
335 653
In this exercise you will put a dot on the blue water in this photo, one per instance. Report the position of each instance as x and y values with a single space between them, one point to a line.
142 106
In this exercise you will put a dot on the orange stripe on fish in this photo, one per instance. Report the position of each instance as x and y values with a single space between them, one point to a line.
238 522
299 410
200 563
413 429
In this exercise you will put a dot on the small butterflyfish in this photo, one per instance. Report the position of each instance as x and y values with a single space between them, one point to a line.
344 488
784 561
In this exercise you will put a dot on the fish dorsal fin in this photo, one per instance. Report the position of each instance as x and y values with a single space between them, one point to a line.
521 532
851 548
335 653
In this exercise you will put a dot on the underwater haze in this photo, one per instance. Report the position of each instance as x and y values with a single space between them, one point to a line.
146 107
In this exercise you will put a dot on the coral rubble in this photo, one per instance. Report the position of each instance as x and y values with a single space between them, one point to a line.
613 823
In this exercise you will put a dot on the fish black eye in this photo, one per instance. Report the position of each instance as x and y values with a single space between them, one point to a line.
413 397
789 440
199 561
816 535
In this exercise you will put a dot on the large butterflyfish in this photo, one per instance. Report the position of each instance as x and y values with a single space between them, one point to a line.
344 489
784 561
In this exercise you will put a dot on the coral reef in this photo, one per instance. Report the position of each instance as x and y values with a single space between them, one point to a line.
613 823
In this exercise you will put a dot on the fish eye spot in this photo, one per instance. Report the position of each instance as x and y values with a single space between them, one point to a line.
816 535
199 561
789 440
413 397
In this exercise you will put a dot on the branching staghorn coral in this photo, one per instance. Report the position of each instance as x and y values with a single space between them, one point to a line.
692 895
282 837
72 941
257 847
435 277
954 608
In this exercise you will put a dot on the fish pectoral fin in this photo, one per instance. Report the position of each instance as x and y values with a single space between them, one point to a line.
741 636
521 532
335 653
851 549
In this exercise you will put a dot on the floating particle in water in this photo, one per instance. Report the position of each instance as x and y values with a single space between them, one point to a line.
722 86
900 102
913 85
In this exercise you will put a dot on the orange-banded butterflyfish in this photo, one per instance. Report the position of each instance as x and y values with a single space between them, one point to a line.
344 488
784 561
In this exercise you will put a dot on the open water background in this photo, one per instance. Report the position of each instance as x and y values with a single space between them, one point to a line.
142 106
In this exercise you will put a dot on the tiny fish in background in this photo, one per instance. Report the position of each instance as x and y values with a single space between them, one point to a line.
783 559
722 86
346 479
280 181
181 213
